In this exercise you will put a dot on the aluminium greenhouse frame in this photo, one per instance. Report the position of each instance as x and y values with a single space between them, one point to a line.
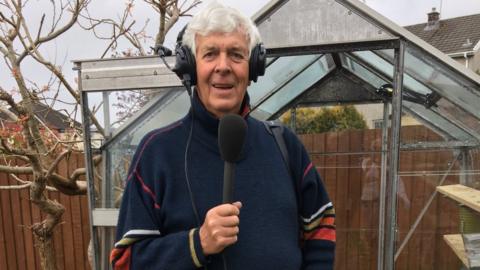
380 34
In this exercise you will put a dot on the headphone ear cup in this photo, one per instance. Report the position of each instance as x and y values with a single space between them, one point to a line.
258 62
185 64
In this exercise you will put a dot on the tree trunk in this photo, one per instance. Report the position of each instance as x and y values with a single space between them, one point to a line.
43 231
46 250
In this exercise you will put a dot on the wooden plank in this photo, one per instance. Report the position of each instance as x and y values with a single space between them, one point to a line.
36 217
354 191
417 198
341 203
462 194
330 174
318 146
427 257
85 226
404 218
376 146
369 194
68 248
80 257
7 224
16 217
455 242
307 141
58 236
85 220
3 249
26 225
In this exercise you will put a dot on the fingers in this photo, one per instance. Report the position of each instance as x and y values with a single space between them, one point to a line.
230 221
220 228
226 210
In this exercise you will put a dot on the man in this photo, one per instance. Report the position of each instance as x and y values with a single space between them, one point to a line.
172 216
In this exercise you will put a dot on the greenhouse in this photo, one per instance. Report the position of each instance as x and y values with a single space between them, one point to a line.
402 186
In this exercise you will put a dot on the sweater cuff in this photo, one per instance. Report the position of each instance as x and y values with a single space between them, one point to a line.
196 251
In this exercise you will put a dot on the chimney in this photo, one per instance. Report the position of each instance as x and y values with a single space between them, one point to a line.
433 16
433 20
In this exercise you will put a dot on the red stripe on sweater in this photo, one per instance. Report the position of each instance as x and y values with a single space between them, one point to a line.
148 140
147 189
328 221
122 257
309 167
245 111
321 234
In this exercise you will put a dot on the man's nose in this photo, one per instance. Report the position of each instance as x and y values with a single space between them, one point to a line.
223 64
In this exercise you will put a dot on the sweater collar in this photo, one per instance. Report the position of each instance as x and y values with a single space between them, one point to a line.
208 120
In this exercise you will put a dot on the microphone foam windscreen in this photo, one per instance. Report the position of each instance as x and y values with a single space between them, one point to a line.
231 136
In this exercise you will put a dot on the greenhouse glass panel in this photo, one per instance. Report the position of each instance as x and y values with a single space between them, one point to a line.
442 126
293 88
458 90
464 119
278 73
383 66
357 69
421 211
128 123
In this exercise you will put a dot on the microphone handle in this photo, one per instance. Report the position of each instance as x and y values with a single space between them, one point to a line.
228 180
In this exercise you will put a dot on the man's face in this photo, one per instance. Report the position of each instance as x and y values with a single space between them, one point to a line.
222 71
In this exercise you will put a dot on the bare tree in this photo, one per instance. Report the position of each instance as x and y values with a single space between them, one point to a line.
38 147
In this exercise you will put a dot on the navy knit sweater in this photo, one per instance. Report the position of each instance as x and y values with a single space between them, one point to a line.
157 228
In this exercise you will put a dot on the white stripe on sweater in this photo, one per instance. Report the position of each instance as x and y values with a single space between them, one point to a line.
319 212
141 232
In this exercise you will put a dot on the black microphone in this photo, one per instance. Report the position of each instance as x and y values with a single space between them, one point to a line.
231 137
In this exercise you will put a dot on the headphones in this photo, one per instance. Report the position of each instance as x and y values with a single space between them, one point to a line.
185 66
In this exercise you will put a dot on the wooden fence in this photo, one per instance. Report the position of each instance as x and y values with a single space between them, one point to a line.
349 163
17 214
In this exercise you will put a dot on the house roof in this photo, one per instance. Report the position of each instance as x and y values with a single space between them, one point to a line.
452 35
53 118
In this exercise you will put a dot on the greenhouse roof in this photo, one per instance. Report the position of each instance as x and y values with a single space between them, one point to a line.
328 52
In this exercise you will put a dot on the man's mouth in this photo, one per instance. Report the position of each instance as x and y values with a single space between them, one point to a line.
222 85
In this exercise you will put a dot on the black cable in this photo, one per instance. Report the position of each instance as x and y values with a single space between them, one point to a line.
187 148
162 56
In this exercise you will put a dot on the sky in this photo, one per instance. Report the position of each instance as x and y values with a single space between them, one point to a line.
79 45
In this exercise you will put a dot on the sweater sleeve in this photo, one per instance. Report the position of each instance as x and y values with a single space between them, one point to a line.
317 215
140 242
318 222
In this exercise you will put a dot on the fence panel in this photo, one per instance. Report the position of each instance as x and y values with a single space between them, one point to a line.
351 172
17 214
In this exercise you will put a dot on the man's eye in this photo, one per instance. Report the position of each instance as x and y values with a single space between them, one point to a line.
208 55
237 56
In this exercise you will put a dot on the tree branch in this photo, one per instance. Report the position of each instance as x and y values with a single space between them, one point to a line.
16 187
13 117
81 171
54 164
24 184
39 58
9 99
79 5
16 170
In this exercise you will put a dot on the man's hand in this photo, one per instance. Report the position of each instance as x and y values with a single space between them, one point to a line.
220 228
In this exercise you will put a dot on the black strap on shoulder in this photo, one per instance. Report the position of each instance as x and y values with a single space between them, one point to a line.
277 131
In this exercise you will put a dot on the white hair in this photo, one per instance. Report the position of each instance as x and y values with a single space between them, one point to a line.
218 18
